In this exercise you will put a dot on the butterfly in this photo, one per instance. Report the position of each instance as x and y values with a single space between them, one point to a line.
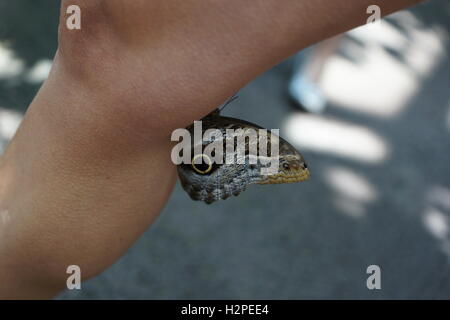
207 180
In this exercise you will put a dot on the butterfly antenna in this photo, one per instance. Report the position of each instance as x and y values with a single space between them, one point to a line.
228 102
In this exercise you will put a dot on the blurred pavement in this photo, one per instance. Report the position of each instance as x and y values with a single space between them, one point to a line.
379 191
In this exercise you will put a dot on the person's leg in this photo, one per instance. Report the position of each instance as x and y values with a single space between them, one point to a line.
89 169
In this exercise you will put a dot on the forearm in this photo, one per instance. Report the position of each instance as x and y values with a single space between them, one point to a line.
89 168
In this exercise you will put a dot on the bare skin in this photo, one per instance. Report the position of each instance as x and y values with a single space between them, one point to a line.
89 169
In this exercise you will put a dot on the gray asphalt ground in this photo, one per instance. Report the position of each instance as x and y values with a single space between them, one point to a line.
291 241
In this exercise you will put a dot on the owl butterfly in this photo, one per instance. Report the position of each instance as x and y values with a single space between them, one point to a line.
206 180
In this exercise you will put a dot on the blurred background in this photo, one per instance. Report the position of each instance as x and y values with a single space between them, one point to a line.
379 153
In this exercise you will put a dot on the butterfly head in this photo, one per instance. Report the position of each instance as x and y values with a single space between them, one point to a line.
292 167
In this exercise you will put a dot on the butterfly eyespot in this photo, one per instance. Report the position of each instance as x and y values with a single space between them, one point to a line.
204 166
286 166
